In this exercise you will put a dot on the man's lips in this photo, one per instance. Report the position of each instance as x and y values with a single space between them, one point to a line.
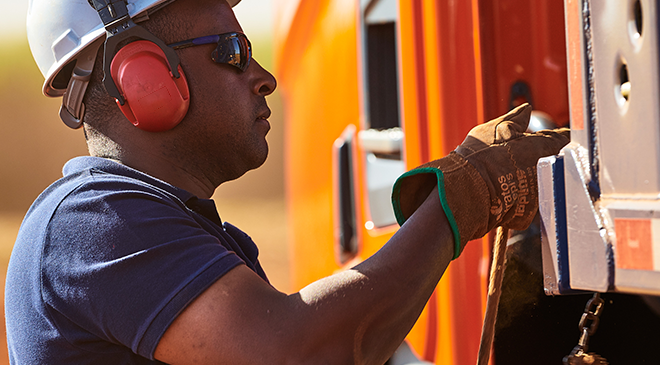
264 115
263 118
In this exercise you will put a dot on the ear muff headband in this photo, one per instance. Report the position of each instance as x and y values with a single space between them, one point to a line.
119 27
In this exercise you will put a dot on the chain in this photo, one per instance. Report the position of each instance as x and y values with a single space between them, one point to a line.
588 326
590 319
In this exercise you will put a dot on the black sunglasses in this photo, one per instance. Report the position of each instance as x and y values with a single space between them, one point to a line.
233 48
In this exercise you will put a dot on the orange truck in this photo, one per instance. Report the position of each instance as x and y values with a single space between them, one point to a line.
372 88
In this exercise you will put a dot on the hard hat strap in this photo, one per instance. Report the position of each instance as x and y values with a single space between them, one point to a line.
113 13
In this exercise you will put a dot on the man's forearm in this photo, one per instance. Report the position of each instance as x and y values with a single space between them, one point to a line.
378 301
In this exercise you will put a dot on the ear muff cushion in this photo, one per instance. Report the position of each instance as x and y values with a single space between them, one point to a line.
155 101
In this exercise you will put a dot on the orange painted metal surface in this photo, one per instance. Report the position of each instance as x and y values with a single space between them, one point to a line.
576 83
525 41
320 99
441 102
634 244
457 61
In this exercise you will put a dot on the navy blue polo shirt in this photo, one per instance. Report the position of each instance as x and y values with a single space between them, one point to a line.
105 260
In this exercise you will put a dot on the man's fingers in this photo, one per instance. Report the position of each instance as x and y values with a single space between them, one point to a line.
519 116
505 128
564 132
508 130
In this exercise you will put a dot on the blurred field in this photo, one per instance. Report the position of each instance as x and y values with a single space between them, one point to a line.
35 144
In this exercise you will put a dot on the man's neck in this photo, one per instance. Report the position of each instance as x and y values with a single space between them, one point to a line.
154 164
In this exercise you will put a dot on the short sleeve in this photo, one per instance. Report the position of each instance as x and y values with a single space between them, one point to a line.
123 262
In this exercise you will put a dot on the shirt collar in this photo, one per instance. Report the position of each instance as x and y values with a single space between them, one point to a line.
83 163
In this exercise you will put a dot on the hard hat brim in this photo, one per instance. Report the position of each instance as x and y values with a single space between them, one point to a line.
85 44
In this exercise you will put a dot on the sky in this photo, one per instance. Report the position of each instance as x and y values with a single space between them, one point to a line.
254 16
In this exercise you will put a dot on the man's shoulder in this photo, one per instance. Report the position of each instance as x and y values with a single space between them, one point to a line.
85 177
94 188
86 170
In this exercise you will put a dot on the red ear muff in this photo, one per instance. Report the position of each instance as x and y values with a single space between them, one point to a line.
155 100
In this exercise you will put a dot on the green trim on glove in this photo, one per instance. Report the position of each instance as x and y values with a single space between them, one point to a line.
396 204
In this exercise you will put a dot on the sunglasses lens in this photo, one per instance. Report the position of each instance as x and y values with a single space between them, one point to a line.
233 49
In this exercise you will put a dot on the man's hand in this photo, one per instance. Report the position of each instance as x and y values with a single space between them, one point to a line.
489 180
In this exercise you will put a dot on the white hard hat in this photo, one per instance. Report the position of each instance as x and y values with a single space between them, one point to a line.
62 31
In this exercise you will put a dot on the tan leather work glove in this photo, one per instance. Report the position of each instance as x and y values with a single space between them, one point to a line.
487 181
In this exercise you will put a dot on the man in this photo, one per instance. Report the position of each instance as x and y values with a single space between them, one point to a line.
125 259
